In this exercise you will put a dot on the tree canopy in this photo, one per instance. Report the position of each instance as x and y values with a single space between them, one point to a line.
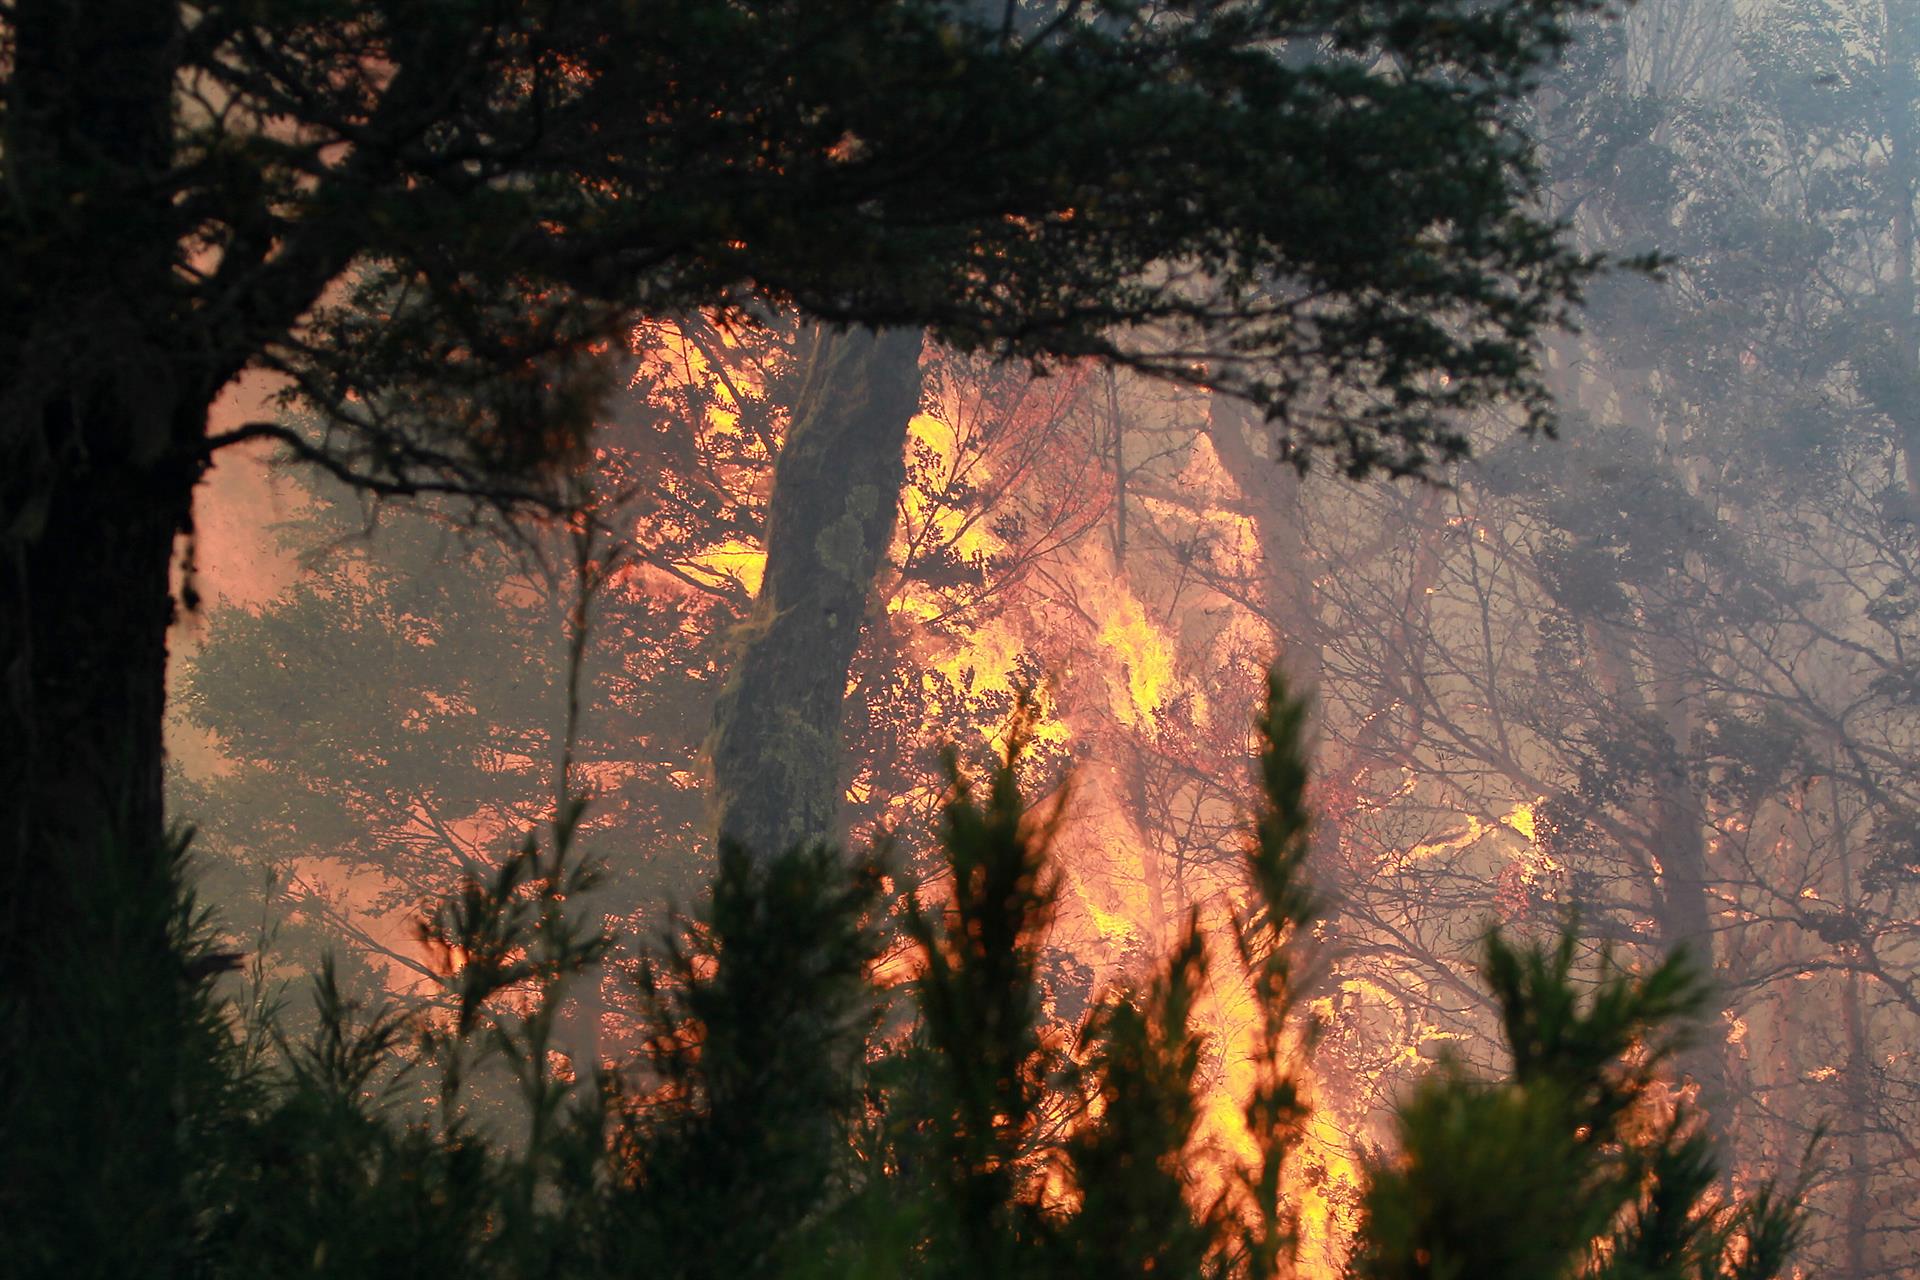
433 222
427 213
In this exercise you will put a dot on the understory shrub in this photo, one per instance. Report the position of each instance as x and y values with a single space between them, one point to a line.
786 1116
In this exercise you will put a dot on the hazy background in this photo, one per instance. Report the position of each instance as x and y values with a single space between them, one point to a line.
1662 671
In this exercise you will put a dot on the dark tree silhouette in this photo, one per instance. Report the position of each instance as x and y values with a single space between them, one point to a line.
427 218
431 220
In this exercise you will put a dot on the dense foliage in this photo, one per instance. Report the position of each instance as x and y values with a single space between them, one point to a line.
788 1117
1661 673
429 223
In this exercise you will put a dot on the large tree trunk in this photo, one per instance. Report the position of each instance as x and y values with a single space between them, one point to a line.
776 729
98 428
98 424
99 1060
84 646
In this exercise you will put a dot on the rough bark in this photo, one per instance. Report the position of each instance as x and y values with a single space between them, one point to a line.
776 741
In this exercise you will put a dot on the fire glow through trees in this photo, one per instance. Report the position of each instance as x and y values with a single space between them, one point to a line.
1658 672
1074 534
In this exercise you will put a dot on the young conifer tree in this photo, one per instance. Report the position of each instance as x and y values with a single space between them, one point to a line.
776 1125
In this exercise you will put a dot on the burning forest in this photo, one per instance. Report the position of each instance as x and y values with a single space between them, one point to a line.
900 637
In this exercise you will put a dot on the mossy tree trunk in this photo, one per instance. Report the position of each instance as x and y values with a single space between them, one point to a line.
776 742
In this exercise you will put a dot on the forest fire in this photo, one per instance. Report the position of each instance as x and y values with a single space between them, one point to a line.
1124 606
990 527
1221 641
1068 538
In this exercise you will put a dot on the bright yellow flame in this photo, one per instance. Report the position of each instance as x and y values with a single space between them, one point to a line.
1518 819
1144 655
950 526
1329 1213
736 560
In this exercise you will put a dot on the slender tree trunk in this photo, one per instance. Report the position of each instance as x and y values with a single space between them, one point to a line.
1858 1255
1856 1238
775 746
1899 54
1685 915
1674 860
1272 490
